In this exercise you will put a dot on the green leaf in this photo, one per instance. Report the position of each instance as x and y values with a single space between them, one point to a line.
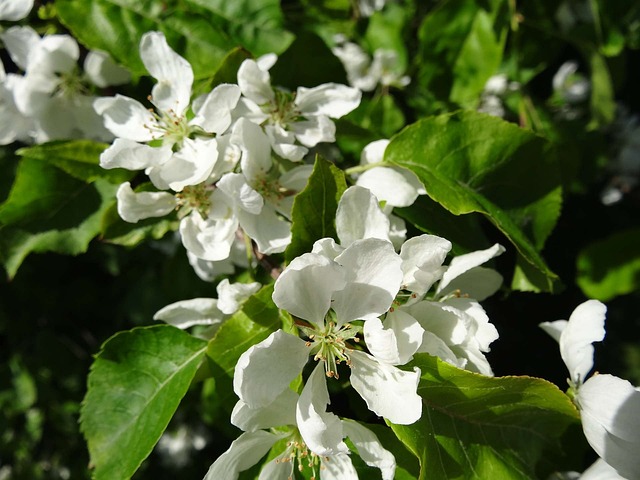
603 105
79 158
117 231
50 211
254 322
116 26
471 162
254 24
477 427
610 267
134 388
461 46
314 208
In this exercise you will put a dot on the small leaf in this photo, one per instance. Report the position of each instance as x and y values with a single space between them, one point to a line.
474 426
79 158
471 162
134 388
610 267
314 208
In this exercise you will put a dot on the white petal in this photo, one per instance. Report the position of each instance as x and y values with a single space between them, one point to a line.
397 340
243 197
586 325
374 275
478 283
422 259
283 143
305 287
131 155
255 82
126 118
484 332
14 10
389 392
554 329
228 156
330 99
100 68
280 412
337 467
359 216
373 152
266 61
327 247
442 320
133 206
464 263
271 233
256 150
231 295
21 42
600 470
174 73
321 430
610 411
261 375
186 313
389 185
190 165
54 54
397 231
370 449
214 115
209 239
244 453
435 346
314 130
276 469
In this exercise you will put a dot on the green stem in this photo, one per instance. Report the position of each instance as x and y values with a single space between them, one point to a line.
364 168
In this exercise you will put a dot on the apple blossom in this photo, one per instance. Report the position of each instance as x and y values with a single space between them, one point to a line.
277 421
609 406
292 122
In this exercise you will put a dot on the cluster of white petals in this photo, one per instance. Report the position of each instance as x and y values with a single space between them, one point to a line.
217 160
52 99
366 73
256 441
609 406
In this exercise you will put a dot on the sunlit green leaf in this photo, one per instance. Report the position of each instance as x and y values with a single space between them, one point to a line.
314 208
470 162
135 385
610 267
477 427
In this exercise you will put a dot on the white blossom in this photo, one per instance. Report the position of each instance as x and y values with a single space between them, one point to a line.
609 406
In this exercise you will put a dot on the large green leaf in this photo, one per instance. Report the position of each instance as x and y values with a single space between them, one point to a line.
134 388
79 158
314 208
116 26
461 46
611 267
477 427
50 211
471 162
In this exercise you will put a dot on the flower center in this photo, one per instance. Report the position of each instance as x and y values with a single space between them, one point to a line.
195 197
300 457
173 128
282 109
328 343
70 84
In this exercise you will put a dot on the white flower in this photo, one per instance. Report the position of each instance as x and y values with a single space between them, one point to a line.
14 10
359 283
609 406
363 72
396 186
53 91
368 7
571 86
188 155
292 122
208 311
451 324
251 446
